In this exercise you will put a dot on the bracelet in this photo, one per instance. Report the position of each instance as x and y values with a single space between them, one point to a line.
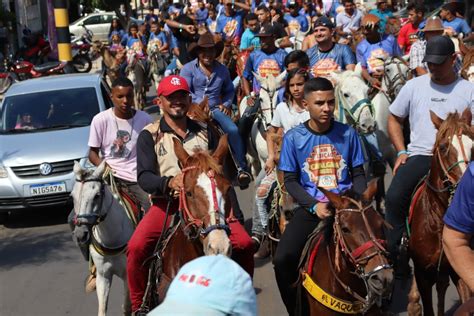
312 209
402 152
180 26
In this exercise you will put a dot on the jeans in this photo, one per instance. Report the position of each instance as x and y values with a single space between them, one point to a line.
235 141
288 254
398 198
257 227
247 118
171 67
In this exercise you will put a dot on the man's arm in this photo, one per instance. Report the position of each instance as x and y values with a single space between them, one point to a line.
94 157
460 255
247 76
395 132
227 90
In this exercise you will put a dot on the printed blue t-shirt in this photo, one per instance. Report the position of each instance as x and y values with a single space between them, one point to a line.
296 24
372 56
264 65
160 37
323 63
460 214
230 26
322 160
458 25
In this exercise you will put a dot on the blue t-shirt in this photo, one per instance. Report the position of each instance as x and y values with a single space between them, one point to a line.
372 56
249 40
264 65
322 160
230 26
383 16
201 15
458 25
323 63
160 37
460 214
120 33
296 24
211 24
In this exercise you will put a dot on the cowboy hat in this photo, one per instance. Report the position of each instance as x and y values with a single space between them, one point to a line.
432 25
206 40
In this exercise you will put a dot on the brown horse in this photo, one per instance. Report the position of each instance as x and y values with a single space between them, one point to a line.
451 154
111 62
346 267
200 227
467 71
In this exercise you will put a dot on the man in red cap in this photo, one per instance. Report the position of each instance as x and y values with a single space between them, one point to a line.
159 175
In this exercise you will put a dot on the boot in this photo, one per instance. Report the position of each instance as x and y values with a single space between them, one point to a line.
264 249
90 280
401 266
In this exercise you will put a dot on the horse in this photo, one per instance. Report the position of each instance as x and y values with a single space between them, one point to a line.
201 225
345 267
395 75
452 152
158 63
101 218
136 72
352 100
467 71
257 145
112 64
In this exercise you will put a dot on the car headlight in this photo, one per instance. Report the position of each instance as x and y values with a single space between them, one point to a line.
86 164
3 172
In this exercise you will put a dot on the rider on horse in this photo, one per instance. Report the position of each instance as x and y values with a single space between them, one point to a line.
321 153
160 175
442 92
207 77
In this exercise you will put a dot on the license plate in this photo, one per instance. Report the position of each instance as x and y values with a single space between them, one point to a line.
47 188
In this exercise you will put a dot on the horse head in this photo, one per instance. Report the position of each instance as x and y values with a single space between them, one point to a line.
204 200
88 197
269 86
97 49
153 48
395 75
359 234
453 149
132 59
353 103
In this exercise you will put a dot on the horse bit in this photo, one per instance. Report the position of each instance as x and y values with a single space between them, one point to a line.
199 222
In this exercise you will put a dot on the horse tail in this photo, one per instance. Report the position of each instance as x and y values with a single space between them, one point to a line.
414 307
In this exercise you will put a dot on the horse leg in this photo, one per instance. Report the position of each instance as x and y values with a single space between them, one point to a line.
103 282
425 282
122 273
414 307
442 284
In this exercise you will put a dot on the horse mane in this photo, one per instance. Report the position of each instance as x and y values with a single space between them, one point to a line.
203 161
450 126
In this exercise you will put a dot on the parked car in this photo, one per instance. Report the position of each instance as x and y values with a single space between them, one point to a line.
98 23
44 128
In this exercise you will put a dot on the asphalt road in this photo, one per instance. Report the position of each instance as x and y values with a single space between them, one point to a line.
42 271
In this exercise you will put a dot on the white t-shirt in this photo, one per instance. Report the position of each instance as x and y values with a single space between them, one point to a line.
117 140
286 117
418 97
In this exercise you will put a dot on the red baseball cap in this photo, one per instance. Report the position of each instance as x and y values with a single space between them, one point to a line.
171 84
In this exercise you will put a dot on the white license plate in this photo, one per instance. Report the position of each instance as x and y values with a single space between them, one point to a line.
47 188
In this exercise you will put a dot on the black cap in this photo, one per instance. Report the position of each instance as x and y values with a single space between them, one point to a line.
267 30
438 49
324 21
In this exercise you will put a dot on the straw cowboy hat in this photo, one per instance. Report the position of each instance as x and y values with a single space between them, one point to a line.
206 40
432 25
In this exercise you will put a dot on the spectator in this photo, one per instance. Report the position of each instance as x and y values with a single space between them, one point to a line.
409 32
209 285
265 17
459 229
249 39
349 20
382 13
296 22
201 13
230 23
212 20
453 24
116 28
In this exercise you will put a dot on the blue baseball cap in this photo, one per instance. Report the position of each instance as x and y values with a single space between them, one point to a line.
209 286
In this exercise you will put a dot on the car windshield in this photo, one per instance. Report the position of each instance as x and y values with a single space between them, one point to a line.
48 110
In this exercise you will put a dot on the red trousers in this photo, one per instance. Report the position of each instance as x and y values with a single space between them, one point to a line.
145 237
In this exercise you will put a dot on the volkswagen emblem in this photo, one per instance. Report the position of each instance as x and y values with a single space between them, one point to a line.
45 169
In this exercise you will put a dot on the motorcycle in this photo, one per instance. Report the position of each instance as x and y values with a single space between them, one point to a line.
81 61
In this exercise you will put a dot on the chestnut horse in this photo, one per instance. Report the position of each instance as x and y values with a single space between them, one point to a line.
200 227
451 154
346 268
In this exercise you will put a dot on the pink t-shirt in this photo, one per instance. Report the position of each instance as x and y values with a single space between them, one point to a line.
117 140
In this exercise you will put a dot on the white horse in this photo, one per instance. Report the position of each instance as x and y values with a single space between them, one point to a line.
257 152
136 72
352 100
157 62
103 220
395 75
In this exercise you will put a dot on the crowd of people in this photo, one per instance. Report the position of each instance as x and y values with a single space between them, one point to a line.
333 37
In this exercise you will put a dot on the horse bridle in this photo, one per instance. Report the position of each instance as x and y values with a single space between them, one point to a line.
352 110
95 216
393 84
190 220
355 256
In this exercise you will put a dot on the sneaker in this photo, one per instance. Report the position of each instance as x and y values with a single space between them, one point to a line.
90 283
264 249
244 178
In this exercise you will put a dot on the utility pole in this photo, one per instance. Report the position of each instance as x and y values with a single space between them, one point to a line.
61 19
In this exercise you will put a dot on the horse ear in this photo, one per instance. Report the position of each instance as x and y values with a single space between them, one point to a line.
99 171
336 200
358 70
180 152
78 171
437 121
336 76
222 149
371 190
280 78
466 116
256 75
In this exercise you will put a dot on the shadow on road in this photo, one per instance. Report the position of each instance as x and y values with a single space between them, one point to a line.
37 217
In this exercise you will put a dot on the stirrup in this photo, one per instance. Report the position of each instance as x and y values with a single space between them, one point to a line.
244 181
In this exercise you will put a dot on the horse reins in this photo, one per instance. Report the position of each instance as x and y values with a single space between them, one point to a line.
352 110
99 218
191 220
393 83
